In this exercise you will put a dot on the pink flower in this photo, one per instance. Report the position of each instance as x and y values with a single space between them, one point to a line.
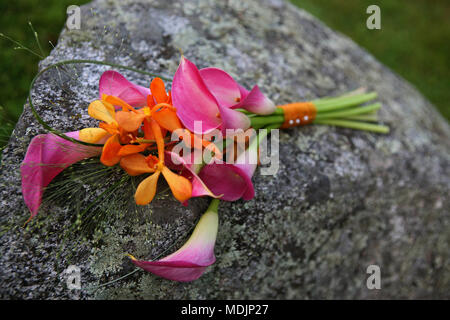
48 154
225 181
114 84
186 165
210 95
230 181
190 261
46 157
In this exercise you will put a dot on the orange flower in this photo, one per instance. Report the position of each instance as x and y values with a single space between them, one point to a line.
137 164
121 128
159 107
118 137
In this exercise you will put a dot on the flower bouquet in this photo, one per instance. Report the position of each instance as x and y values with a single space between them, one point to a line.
202 137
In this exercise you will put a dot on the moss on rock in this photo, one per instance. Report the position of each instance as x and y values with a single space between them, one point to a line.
341 200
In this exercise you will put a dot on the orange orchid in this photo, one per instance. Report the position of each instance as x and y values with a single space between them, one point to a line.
131 131
137 164
122 126
159 108
118 138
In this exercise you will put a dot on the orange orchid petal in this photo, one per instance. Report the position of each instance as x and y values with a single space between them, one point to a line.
132 149
180 186
159 139
146 190
129 121
167 119
92 135
118 102
135 164
102 110
110 151
111 128
150 101
158 90
126 137
148 132
152 161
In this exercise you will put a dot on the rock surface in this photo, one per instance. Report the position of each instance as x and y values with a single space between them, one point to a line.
342 200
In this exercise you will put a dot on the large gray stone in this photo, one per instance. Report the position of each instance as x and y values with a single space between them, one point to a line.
342 199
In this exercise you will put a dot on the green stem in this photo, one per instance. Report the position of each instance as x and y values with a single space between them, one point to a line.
371 117
345 97
273 126
261 121
279 111
21 46
244 111
36 37
214 205
343 102
354 125
348 112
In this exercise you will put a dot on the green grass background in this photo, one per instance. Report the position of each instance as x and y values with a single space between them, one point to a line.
414 41
18 67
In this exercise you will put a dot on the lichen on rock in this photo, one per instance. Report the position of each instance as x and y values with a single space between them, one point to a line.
341 201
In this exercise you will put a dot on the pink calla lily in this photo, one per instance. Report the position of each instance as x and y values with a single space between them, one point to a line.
210 95
46 157
231 181
218 179
189 170
114 84
232 95
191 260
228 180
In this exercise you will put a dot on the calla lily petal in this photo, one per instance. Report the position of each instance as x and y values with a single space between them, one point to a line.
190 261
192 99
114 84
199 188
244 92
255 101
228 180
232 119
46 157
232 181
247 161
222 86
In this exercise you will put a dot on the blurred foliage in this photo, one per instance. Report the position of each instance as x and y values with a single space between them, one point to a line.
414 40
17 66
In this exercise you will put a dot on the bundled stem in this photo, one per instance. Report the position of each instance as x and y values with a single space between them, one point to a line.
343 111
